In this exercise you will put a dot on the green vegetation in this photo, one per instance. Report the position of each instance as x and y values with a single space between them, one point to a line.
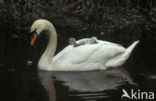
126 18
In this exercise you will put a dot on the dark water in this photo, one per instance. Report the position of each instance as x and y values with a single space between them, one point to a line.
20 81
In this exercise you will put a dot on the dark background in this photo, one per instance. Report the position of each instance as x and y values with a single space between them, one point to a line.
124 20
118 21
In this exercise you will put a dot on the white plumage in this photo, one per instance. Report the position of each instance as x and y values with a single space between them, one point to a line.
86 57
91 56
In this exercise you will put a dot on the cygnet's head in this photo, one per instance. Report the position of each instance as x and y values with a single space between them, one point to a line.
72 40
94 39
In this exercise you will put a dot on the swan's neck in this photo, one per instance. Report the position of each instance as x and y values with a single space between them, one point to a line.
50 51
46 60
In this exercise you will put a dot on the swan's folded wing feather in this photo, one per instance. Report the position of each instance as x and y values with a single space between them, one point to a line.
76 55
107 52
87 54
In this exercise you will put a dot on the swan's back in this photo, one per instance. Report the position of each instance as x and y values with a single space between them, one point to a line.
86 57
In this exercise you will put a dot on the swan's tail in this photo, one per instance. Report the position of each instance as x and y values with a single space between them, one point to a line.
121 59
130 49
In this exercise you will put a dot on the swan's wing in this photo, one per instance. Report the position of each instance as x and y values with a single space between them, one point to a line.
109 43
101 42
75 54
86 55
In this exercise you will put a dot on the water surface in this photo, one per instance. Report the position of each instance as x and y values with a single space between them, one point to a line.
20 81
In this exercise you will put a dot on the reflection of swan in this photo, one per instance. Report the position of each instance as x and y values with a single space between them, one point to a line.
85 57
48 84
93 81
85 85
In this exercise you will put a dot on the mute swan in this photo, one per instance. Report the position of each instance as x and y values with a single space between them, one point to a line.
73 42
87 57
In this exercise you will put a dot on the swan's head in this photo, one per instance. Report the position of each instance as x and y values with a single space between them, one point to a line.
38 27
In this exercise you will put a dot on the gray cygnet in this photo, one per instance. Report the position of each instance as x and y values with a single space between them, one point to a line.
73 42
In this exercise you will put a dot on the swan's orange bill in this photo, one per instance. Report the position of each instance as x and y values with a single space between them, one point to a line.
33 39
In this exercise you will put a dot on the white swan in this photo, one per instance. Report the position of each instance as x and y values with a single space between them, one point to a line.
98 56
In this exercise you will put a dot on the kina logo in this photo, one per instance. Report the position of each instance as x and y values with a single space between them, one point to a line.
137 95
